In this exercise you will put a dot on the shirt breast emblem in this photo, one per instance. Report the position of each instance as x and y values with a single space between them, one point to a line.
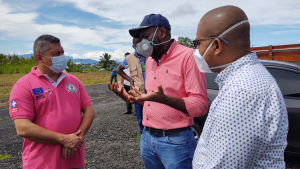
71 88
49 91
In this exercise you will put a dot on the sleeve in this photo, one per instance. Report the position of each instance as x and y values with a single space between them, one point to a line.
85 99
276 127
195 86
124 63
22 105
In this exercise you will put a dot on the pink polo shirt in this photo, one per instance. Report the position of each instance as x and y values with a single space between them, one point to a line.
178 73
54 108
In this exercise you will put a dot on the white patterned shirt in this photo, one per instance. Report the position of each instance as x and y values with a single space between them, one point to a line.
247 124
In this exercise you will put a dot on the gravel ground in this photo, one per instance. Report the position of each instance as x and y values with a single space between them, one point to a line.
111 143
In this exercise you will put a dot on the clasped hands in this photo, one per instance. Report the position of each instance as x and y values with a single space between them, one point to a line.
72 143
137 96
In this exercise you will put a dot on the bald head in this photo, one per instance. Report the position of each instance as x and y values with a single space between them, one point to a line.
216 21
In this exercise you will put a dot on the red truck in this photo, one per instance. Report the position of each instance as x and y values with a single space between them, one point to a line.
287 53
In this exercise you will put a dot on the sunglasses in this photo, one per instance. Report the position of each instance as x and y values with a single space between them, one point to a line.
197 42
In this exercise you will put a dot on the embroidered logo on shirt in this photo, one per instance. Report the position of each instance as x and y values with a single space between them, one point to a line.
49 91
37 91
14 106
40 96
71 88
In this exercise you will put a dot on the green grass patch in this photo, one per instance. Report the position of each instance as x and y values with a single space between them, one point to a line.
138 136
91 78
131 122
12 69
4 156
1 119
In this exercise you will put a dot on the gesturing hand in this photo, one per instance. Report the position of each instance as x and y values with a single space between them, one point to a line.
157 96
132 83
119 90
73 141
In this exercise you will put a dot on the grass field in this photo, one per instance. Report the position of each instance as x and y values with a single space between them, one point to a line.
8 80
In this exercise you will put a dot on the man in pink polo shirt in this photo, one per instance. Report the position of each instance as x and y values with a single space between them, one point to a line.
176 93
51 110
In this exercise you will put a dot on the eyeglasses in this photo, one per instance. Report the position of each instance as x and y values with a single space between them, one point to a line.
197 42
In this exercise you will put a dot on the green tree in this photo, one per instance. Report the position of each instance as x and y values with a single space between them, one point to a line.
3 59
185 41
105 60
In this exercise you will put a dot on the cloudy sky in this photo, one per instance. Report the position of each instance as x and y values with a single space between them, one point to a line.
88 28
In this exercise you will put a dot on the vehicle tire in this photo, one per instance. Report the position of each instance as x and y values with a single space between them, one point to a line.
197 130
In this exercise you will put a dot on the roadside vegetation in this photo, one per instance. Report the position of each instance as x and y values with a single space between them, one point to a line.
13 67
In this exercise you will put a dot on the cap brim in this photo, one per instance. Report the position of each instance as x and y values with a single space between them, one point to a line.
135 32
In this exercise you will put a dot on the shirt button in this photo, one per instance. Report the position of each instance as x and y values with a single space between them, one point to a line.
147 119
148 104
154 77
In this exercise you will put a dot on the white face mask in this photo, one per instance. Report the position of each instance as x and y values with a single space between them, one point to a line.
201 63
59 63
145 47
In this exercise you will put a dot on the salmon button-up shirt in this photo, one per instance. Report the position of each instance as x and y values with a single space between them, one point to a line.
178 73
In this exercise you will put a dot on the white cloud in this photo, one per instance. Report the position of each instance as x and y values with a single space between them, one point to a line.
95 55
189 12
20 53
23 26
285 32
20 20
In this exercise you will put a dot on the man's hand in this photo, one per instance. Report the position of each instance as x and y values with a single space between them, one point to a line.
157 96
119 90
67 153
73 141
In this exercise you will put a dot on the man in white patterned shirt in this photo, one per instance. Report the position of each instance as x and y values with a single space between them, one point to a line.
247 124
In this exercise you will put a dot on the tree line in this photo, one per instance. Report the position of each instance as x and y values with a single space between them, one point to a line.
14 64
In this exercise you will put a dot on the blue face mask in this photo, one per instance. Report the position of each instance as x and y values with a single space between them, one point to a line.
59 63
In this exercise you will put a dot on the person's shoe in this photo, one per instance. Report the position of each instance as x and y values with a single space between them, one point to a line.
127 112
134 114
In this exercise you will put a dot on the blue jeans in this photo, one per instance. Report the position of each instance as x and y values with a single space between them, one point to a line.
169 151
139 116
113 77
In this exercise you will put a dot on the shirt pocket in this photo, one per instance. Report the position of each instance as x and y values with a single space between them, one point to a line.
133 71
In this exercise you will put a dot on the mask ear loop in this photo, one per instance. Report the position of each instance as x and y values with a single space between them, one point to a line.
151 42
232 27
222 34
207 49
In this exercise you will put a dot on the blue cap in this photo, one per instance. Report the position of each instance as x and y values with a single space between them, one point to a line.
149 21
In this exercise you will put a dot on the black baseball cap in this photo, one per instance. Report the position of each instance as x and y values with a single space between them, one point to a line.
149 21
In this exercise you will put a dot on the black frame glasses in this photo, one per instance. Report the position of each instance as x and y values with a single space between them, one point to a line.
196 42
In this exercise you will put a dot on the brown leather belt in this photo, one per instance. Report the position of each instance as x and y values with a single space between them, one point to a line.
160 133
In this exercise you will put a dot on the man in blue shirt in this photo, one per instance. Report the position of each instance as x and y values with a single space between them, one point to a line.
113 72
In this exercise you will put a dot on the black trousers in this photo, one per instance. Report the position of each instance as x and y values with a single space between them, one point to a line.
129 106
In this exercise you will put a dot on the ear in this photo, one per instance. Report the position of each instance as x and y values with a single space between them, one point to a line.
163 32
218 46
38 57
